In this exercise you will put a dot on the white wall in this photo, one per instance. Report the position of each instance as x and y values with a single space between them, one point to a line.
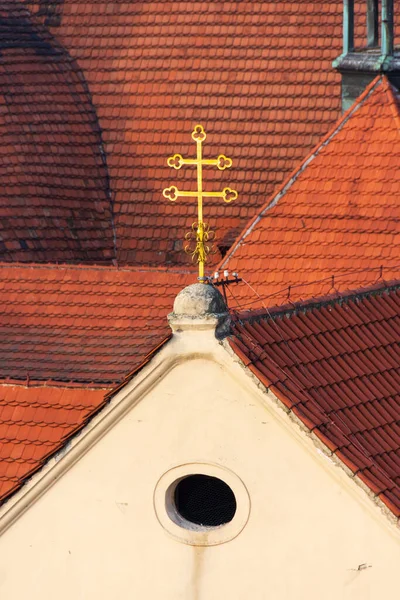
94 534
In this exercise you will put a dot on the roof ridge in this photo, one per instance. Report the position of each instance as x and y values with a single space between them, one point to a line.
96 267
304 306
53 384
292 177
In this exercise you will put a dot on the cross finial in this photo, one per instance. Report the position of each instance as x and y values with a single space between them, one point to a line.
201 232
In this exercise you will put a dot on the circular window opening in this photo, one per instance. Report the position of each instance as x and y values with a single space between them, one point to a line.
204 500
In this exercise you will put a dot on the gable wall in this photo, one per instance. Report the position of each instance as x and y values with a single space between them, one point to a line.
94 534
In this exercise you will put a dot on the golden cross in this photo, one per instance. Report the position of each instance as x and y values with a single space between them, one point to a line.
201 229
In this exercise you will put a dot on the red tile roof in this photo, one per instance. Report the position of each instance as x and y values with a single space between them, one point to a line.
138 76
55 201
335 363
34 423
338 213
257 75
82 324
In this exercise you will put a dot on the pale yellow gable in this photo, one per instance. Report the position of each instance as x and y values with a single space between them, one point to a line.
306 529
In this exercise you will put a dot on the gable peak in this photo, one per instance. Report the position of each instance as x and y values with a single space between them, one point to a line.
200 306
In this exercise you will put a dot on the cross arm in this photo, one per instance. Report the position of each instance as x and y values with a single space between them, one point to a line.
222 162
227 194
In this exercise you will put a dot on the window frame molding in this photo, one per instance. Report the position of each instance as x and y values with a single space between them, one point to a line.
190 533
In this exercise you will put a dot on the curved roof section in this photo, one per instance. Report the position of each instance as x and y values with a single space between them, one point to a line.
55 201
256 74
336 220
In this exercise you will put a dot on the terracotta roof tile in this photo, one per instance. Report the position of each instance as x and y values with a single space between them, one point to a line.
55 200
257 74
338 214
347 394
34 423
82 324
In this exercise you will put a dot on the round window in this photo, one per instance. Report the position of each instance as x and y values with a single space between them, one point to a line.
201 504
204 500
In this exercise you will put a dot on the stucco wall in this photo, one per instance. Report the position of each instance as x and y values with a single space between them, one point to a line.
94 534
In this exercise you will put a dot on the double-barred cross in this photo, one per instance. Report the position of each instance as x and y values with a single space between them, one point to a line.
201 229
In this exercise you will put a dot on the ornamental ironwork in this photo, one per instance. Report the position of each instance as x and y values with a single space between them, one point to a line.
199 239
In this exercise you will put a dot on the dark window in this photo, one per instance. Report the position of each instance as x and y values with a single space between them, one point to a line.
205 500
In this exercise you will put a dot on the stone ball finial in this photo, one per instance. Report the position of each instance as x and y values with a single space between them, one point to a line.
199 300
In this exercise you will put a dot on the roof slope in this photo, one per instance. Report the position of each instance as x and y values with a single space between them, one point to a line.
338 213
81 324
54 196
256 74
34 423
335 364
81 330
